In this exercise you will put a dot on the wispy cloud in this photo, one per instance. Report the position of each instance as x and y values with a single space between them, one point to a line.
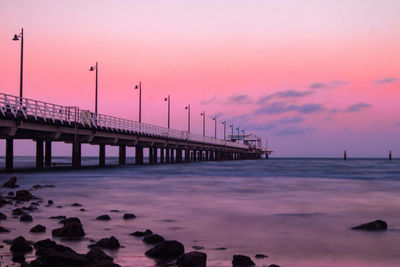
385 81
282 107
287 120
284 94
238 99
328 85
208 101
358 107
293 131
317 85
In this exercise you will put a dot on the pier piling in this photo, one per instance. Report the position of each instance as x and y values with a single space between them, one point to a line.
9 154
47 153
39 154
102 155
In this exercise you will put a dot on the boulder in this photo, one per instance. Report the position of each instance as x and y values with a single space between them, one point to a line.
108 243
11 183
3 201
153 239
103 218
242 261
273 265
3 230
128 216
166 250
141 234
261 256
18 212
37 186
58 255
50 202
192 259
20 245
72 228
26 218
23 195
377 225
3 216
76 205
46 243
96 255
38 229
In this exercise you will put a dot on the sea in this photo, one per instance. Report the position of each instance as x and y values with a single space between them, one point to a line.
297 211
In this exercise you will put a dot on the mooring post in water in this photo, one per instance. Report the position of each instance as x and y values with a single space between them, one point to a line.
167 155
39 153
9 154
139 155
345 155
76 154
47 153
390 155
161 155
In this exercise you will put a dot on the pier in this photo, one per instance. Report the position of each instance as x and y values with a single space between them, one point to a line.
45 123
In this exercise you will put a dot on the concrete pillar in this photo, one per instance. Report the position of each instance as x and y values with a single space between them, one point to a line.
155 155
39 154
122 155
47 153
187 155
102 155
161 155
76 154
179 155
168 154
139 155
172 157
151 155
9 154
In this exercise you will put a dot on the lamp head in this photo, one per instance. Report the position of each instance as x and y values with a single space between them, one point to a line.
165 99
15 38
186 107
136 87
91 68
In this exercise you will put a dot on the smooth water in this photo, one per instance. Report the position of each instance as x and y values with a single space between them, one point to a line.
297 211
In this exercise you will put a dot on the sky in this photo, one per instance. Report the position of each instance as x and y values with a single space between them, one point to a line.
314 77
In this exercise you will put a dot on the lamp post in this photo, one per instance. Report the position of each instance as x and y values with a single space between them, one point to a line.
204 122
231 126
140 100
188 109
16 38
215 119
224 123
238 133
169 101
92 68
243 134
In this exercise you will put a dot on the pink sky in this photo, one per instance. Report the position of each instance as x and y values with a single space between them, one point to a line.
331 68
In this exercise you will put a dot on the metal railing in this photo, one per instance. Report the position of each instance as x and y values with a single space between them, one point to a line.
69 115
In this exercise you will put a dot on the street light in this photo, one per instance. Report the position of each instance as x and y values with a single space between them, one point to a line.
169 101
140 100
231 126
204 122
224 123
215 119
243 134
188 109
16 38
92 68
238 133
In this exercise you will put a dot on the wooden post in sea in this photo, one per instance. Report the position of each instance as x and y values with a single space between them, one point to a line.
345 155
390 154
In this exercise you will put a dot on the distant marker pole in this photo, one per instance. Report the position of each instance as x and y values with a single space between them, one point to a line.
345 155
390 155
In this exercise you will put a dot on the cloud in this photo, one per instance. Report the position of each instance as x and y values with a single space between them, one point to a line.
238 99
310 108
208 101
282 107
287 120
337 83
218 115
293 131
284 94
317 85
358 107
385 81
329 85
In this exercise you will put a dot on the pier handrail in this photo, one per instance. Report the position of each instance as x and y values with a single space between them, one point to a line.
68 115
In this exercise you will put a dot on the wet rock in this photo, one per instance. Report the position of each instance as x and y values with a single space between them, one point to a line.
50 202
273 265
108 243
18 212
103 218
153 239
128 216
38 229
192 259
71 220
59 207
58 217
26 218
46 243
11 183
377 225
72 228
19 244
76 205
58 255
221 248
30 208
166 250
18 257
10 193
35 204
114 210
96 255
37 186
3 216
198 247
242 261
3 201
3 230
82 210
23 195
261 256
141 234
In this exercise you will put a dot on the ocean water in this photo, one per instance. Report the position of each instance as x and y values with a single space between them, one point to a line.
297 211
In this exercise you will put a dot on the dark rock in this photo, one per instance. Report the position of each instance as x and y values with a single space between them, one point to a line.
23 195
377 225
30 208
141 234
82 210
221 248
198 247
49 185
3 230
18 212
273 265
128 216
114 210
12 183
37 186
261 256
71 220
47 243
11 193
50 202
58 217
242 261
166 250
153 239
38 229
19 244
103 218
59 207
26 218
3 201
3 216
72 228
96 255
60 256
34 204
108 243
76 205
192 259
18 257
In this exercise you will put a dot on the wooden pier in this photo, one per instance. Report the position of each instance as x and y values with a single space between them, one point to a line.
45 123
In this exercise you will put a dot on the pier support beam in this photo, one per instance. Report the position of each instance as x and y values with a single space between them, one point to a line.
102 155
9 154
178 155
39 154
76 154
47 153
161 155
168 154
172 158
187 155
122 155
155 155
139 155
151 155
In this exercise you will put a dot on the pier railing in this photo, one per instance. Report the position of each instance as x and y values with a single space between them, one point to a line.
69 115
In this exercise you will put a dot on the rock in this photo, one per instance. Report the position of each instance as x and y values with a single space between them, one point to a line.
96 255
273 265
49 186
37 186
50 202
58 217
242 261
59 207
3 230
11 193
19 244
166 250
76 205
128 216
141 234
221 248
58 255
192 259
261 256
108 243
23 195
18 212
198 247
47 243
82 210
72 228
114 210
3 201
18 257
3 216
11 183
153 239
26 218
103 218
377 225
38 229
